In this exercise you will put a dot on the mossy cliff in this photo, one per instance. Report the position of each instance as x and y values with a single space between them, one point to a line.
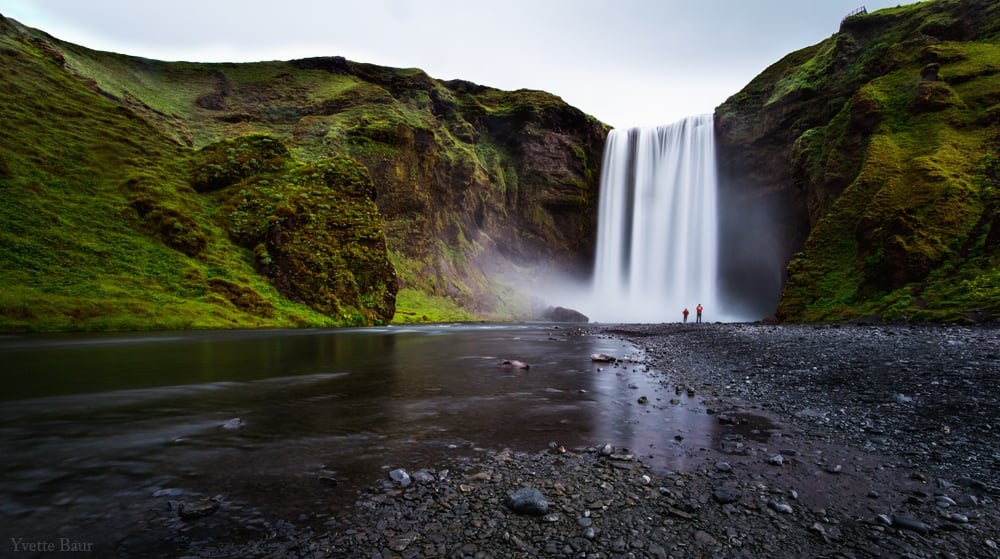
878 148
144 194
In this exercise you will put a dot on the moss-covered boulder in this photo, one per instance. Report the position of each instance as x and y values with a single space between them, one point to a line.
315 231
229 161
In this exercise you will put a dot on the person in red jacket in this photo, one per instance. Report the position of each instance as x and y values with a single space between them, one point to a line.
685 314
699 309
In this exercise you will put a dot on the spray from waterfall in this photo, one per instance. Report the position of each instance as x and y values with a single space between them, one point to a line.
658 225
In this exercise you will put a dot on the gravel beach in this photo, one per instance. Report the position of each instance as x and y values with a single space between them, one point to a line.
832 441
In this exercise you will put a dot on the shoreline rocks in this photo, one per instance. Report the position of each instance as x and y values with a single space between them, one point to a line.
843 468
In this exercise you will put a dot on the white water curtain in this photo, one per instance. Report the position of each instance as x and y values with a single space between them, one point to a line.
658 224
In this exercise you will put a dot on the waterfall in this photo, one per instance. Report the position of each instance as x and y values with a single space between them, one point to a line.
658 224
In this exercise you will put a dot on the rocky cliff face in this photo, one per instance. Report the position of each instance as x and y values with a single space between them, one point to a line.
470 185
471 181
875 156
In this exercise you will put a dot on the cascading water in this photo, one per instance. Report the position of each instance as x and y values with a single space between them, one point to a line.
658 224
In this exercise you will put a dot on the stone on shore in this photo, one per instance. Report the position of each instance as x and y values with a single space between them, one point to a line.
528 500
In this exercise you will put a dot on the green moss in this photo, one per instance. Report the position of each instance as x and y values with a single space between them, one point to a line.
316 232
898 179
230 161
415 306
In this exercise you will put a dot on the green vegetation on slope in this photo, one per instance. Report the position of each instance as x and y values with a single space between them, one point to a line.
893 151
145 194
101 229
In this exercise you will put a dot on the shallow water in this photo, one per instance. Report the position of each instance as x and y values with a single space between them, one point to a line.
98 432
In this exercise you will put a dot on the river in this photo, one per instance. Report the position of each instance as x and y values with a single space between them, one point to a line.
103 434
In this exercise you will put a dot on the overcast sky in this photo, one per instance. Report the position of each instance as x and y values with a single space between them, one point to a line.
626 62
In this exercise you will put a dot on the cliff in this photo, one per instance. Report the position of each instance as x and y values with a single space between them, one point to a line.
145 194
875 154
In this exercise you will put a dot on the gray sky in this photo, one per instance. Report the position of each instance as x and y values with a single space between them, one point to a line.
626 62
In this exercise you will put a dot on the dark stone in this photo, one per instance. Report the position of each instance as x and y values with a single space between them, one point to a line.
332 64
527 500
513 364
912 524
199 508
561 314
930 72
725 495
400 476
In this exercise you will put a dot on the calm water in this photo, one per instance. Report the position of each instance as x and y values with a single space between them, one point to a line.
99 432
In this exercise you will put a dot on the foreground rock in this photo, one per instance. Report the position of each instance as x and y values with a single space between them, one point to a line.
562 314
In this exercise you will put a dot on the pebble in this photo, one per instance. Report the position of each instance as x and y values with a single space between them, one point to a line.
198 508
725 495
909 523
401 477
528 500
944 501
780 506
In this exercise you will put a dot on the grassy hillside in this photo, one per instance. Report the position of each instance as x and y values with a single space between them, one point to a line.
101 229
144 194
889 131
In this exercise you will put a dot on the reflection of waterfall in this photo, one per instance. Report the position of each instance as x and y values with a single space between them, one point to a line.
658 226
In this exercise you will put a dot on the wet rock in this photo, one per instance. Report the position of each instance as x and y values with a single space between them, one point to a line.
944 501
780 506
528 500
401 477
726 495
422 476
513 364
198 508
909 523
328 481
956 518
602 358
561 314
704 538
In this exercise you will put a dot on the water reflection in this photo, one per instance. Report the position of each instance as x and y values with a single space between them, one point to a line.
93 426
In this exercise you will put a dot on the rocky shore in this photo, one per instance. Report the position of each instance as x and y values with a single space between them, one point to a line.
834 441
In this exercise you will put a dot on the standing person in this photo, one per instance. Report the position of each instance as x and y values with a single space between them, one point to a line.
699 309
685 314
